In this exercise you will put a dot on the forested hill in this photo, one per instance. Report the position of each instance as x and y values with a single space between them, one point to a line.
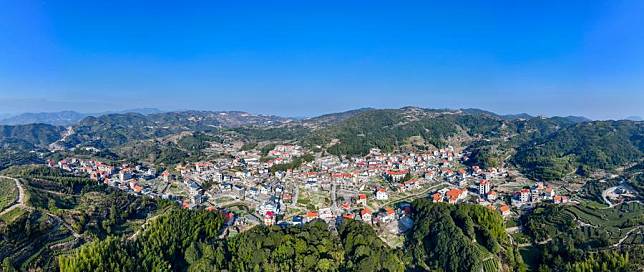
117 129
581 148
446 238
545 148
36 134
388 129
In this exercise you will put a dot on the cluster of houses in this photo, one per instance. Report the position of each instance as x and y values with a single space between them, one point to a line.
125 176
537 193
246 176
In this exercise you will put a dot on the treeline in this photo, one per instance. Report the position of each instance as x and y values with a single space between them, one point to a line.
41 176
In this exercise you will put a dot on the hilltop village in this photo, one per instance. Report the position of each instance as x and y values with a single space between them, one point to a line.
288 185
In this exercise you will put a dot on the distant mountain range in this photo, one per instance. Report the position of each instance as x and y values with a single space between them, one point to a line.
63 118
535 144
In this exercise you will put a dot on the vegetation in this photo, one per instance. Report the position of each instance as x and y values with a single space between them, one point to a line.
564 244
582 148
8 193
295 163
364 251
383 129
459 238
272 134
36 134
183 240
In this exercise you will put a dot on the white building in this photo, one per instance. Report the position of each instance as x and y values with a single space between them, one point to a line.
484 187
381 194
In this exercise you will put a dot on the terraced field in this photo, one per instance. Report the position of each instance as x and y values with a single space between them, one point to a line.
616 221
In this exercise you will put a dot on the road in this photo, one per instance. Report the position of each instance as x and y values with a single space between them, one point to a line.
296 195
626 236
143 226
21 197
21 204
334 208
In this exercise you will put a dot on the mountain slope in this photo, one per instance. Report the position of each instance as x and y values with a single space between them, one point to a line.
117 129
62 118
583 147
36 134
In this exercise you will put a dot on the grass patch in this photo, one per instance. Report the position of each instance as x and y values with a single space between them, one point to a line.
12 215
8 193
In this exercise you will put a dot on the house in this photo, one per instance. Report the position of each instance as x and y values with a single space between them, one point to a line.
297 220
558 199
491 196
311 215
505 210
484 187
311 185
549 193
455 194
348 216
437 198
365 214
409 185
269 218
325 214
395 175
125 175
194 187
381 194
362 200
388 215
524 195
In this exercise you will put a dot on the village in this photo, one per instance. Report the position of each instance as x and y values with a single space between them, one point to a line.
378 188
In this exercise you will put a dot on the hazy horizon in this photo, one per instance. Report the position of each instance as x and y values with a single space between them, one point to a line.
4 115
305 59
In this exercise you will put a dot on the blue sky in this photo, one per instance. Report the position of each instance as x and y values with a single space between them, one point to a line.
302 58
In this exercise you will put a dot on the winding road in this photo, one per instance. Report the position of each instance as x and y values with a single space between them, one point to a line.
21 204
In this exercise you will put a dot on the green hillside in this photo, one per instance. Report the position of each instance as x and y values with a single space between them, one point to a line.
581 148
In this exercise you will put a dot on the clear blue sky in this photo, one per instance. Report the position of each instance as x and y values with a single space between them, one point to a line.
300 58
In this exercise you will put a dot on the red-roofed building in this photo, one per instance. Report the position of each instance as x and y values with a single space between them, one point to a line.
349 216
166 176
484 186
396 175
269 218
491 196
455 194
310 216
365 214
381 194
505 210
524 195
437 198
411 184
362 200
